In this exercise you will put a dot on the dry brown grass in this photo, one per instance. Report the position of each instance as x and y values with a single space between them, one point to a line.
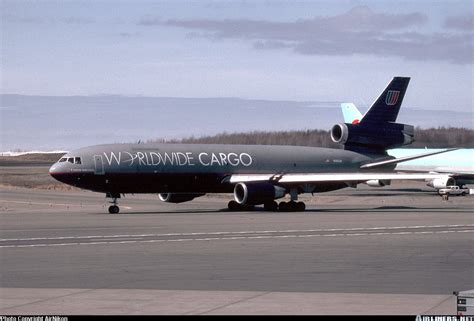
30 160
30 177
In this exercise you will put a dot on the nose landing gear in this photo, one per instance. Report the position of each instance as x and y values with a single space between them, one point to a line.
113 209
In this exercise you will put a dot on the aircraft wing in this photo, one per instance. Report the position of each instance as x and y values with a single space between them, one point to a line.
376 163
461 174
305 178
292 178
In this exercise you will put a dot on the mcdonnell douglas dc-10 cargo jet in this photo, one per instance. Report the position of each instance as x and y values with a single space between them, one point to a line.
256 175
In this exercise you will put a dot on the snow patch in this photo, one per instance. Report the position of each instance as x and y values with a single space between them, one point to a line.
33 152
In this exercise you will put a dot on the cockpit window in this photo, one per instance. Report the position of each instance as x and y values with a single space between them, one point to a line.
72 160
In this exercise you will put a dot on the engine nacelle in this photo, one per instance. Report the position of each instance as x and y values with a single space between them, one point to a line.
256 193
388 135
378 182
178 197
442 182
340 133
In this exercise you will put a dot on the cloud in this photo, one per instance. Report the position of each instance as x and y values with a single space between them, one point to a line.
150 21
465 22
358 31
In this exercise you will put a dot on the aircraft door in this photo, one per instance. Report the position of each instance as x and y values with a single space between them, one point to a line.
99 165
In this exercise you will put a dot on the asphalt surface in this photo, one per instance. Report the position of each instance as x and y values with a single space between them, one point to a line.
366 242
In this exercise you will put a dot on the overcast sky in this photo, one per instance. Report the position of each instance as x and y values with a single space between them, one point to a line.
276 50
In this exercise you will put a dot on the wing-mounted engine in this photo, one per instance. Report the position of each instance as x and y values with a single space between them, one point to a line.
256 193
378 182
178 197
358 136
442 182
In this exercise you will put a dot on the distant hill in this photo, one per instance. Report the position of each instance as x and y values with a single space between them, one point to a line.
36 159
48 122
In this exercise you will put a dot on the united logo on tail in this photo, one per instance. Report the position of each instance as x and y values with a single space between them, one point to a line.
392 97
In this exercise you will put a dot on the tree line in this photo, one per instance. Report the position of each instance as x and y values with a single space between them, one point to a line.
440 137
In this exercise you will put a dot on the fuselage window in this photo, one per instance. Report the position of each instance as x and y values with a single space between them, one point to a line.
77 160
62 160
71 160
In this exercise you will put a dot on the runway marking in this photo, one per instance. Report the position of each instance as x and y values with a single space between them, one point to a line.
240 235
238 232
40 203
122 238
227 238
55 204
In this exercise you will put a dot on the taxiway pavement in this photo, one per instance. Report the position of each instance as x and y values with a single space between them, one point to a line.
365 250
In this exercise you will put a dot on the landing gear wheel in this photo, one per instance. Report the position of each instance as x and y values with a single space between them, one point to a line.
233 206
283 207
113 209
445 197
270 206
292 206
300 206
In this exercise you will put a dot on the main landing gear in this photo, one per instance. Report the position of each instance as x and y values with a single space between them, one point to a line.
113 209
292 205
234 206
272 206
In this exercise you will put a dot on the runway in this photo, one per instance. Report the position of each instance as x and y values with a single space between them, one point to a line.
225 236
365 245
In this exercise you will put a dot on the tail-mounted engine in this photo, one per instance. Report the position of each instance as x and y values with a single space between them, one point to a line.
382 137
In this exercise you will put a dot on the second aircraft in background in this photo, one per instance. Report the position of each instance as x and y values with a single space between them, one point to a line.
458 165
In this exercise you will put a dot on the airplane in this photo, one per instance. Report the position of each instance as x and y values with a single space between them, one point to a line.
255 174
456 165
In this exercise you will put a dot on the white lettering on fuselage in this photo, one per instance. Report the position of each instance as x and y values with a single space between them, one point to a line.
177 159
112 158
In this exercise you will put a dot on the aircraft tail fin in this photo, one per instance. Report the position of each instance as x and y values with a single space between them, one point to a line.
387 105
351 114
377 130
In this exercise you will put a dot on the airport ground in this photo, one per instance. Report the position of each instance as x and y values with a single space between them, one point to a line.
395 250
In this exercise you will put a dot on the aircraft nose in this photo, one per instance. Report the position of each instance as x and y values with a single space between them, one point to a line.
54 170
